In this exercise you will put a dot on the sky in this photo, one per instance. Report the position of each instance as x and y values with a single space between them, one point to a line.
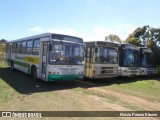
89 19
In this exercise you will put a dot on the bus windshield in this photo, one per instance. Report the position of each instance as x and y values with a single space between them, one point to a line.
147 59
106 55
65 53
130 58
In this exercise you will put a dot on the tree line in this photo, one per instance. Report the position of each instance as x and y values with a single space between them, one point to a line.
2 49
145 36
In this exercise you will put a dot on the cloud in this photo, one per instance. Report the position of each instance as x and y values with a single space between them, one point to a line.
98 32
36 29
70 31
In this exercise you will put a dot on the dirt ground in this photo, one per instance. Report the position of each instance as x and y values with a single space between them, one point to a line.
20 93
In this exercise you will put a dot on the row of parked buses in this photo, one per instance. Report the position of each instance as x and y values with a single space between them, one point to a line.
52 57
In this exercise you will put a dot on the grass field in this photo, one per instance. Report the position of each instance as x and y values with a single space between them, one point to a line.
19 92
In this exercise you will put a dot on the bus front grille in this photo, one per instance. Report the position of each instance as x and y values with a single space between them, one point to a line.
133 72
106 71
68 71
109 70
107 67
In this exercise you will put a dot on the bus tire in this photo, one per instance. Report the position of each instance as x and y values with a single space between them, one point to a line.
34 73
12 66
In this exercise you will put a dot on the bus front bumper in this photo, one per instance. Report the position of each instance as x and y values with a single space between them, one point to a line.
53 77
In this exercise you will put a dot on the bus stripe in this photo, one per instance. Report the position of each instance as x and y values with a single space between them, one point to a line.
26 65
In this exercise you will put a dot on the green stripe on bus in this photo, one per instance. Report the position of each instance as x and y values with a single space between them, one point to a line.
26 65
53 77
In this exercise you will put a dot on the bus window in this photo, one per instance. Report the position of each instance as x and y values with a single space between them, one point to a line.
18 48
14 47
23 47
36 44
29 47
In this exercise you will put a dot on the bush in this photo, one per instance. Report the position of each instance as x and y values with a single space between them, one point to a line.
2 56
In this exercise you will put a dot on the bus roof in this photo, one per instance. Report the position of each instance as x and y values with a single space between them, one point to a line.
145 49
130 46
101 43
43 35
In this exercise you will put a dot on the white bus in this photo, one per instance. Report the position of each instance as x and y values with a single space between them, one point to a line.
128 60
101 59
146 62
48 56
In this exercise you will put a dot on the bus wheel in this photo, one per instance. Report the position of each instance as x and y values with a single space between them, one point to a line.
12 66
34 73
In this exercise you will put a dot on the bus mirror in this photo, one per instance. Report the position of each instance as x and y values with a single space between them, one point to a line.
50 47
96 50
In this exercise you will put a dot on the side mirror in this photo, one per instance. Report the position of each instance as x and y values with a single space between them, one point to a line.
96 50
50 47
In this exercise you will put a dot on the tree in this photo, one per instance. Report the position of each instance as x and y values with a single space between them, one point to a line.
139 36
2 49
148 37
113 38
134 41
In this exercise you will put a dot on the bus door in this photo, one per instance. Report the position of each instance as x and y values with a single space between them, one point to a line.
44 59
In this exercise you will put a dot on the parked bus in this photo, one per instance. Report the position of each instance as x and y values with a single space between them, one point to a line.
101 59
128 60
48 56
146 62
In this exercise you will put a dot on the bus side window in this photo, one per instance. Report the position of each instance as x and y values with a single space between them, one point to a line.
29 47
23 48
14 47
36 45
18 48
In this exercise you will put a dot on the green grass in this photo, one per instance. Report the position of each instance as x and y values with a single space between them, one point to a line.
3 64
148 89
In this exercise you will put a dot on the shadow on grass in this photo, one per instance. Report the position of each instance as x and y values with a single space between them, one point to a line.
23 83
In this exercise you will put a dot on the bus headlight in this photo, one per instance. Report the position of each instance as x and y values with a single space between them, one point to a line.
54 72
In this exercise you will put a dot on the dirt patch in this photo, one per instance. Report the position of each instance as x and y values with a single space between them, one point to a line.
129 98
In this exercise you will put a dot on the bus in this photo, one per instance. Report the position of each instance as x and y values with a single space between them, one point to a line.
146 62
128 60
48 56
101 59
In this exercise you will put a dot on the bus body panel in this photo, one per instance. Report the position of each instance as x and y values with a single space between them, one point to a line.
128 71
102 71
64 72
147 71
24 62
